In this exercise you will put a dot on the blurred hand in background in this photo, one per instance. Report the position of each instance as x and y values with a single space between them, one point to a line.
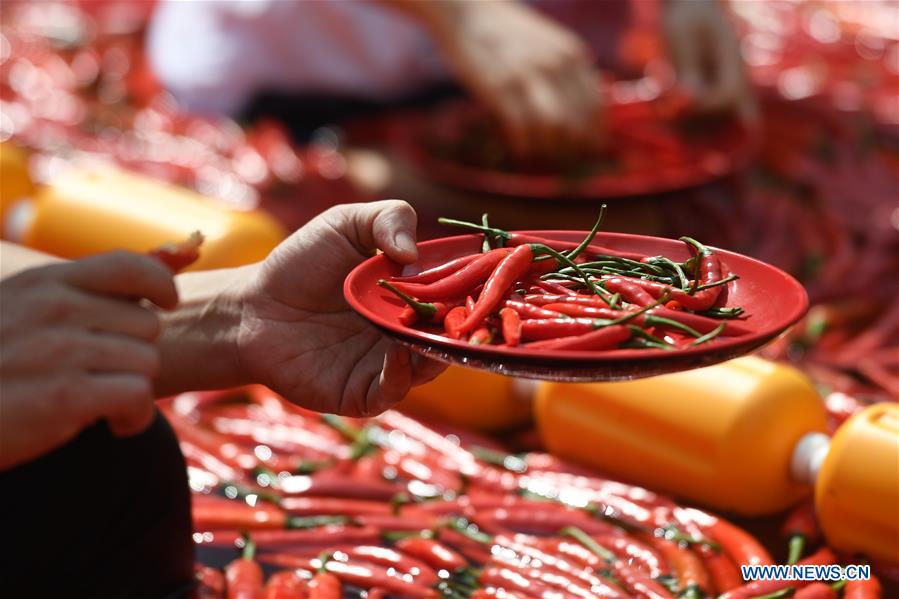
705 52
533 74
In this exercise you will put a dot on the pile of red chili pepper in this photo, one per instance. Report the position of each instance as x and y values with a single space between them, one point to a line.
539 293
329 507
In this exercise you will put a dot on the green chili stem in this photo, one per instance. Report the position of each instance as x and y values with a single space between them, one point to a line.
340 425
723 281
499 233
249 548
589 238
691 592
584 539
465 527
788 592
508 461
423 309
710 335
652 319
797 547
541 248
722 312
303 522
485 246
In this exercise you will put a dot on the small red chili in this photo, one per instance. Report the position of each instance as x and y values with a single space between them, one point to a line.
604 338
511 326
506 272
459 283
438 272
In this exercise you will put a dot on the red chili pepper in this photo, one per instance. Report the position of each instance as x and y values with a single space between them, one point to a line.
630 292
454 319
631 550
816 590
324 536
509 578
537 519
459 283
552 287
178 256
822 557
863 589
701 300
531 311
469 304
527 546
605 338
408 521
542 299
482 336
366 575
473 550
800 528
323 506
438 272
674 305
517 239
213 513
506 272
432 552
724 574
210 583
639 582
691 575
389 558
285 585
325 585
377 593
244 575
429 312
742 548
511 326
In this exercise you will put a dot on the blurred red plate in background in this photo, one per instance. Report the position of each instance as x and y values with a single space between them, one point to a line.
648 155
772 299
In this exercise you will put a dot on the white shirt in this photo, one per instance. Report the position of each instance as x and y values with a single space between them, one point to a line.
214 55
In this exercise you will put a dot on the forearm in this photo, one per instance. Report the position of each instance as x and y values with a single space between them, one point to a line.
15 258
439 17
198 344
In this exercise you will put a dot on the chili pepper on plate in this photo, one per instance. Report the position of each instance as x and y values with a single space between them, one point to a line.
244 575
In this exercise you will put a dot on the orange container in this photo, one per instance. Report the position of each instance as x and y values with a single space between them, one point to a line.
472 399
723 436
84 212
857 490
15 181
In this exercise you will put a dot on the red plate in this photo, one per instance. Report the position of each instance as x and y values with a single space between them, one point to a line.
773 301
728 149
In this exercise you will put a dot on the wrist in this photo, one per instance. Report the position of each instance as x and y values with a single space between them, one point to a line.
199 340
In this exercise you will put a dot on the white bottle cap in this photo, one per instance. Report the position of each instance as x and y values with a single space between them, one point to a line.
18 220
808 456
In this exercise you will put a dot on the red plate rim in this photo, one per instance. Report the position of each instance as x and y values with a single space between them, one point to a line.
722 345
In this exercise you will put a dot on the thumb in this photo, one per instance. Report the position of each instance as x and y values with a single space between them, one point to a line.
388 225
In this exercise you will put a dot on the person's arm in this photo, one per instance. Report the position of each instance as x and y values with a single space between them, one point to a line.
15 258
284 323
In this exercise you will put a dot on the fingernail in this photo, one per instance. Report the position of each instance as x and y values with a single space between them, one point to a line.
405 242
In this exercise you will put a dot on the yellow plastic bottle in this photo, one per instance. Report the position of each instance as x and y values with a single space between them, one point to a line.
472 399
723 436
89 211
857 487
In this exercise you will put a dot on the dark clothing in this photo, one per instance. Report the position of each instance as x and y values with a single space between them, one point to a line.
99 517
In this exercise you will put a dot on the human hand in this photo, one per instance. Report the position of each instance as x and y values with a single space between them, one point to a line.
533 74
77 348
706 55
299 336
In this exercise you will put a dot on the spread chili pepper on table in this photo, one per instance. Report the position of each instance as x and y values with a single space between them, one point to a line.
463 519
535 292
